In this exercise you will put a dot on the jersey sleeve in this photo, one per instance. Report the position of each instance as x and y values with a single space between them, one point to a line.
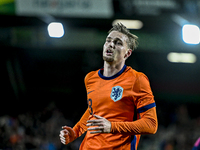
142 94
145 105
81 127
147 124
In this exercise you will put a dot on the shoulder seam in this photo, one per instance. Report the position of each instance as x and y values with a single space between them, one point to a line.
90 74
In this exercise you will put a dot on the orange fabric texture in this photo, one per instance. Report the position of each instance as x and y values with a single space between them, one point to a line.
80 128
147 124
118 99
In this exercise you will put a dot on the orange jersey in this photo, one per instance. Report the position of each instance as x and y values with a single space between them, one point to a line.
126 100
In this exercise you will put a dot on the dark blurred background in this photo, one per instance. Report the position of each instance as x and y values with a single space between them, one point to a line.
42 78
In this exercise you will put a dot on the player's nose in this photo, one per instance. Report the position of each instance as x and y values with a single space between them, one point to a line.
111 44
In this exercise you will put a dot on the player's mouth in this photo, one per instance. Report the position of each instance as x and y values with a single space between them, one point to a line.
109 52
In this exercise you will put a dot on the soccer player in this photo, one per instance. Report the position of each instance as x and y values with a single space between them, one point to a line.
121 105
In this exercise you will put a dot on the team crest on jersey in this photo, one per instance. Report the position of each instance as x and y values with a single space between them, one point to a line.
116 93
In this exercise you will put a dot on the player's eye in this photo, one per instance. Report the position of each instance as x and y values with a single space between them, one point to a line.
119 43
108 40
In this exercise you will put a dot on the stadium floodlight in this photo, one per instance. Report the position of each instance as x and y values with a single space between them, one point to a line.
56 30
130 24
181 57
191 34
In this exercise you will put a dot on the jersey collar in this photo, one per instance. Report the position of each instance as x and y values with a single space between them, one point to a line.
100 73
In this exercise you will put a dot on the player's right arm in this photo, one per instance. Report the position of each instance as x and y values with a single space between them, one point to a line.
69 134
81 127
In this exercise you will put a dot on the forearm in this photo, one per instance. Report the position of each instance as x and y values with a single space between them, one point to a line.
81 127
148 124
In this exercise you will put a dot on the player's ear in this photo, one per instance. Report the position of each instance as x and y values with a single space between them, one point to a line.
128 53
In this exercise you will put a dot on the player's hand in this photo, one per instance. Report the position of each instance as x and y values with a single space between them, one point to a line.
102 125
67 135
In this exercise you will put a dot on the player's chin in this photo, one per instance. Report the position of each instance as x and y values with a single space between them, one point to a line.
108 58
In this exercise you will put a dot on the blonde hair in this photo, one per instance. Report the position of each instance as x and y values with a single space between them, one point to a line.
132 39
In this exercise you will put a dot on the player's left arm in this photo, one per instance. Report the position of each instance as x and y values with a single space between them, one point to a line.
147 124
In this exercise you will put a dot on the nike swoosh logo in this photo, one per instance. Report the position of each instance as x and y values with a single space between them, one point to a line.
90 92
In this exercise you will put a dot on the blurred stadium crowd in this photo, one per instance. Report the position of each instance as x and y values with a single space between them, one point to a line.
34 130
40 131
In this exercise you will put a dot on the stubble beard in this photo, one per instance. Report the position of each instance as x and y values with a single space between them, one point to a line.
110 59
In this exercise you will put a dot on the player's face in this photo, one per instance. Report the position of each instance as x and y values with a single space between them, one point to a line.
115 47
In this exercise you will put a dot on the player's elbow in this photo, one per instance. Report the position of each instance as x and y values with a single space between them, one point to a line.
153 126
154 130
152 123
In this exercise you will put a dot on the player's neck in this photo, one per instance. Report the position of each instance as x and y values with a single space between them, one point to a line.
111 69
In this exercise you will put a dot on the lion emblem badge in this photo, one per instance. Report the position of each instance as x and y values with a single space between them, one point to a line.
116 93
